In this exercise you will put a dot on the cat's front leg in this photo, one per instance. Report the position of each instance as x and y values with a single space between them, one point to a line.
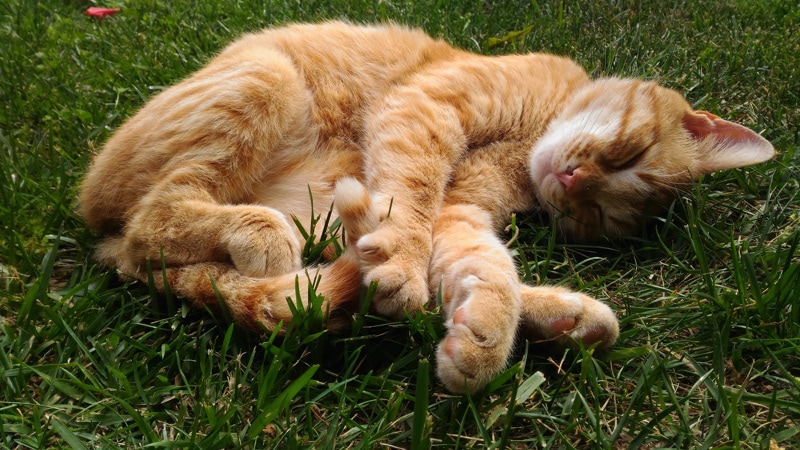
397 261
566 317
412 143
480 298
397 258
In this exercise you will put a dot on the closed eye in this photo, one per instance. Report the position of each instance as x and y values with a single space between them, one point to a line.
633 161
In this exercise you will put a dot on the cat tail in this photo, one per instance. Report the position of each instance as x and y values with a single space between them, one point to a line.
259 304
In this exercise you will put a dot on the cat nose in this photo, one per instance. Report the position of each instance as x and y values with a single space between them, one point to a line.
569 178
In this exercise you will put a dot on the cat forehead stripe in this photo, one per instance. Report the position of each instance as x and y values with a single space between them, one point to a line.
599 121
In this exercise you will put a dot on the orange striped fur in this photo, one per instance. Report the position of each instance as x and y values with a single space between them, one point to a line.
432 147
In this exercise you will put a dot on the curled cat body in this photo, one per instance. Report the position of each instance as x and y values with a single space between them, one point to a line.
425 150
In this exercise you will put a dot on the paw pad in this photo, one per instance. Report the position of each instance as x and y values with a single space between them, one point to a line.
563 325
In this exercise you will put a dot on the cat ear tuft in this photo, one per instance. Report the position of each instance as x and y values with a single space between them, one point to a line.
725 145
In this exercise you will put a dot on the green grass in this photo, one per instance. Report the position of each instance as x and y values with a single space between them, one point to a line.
708 296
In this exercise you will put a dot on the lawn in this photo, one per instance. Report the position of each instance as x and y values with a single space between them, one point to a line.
708 296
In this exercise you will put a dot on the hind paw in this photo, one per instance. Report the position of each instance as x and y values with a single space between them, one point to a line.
261 242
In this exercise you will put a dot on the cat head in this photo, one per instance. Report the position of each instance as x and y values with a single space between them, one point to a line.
623 149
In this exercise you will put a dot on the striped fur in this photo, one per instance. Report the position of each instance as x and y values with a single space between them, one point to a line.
433 148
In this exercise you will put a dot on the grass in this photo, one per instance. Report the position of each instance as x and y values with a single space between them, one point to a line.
709 355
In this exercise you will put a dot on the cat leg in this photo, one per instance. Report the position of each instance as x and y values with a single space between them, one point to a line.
411 144
261 303
184 226
566 317
480 298
253 123
479 283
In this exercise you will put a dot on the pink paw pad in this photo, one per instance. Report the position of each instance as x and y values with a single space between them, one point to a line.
450 342
594 335
450 346
460 316
562 325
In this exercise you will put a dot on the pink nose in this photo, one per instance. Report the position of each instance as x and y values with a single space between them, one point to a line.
569 178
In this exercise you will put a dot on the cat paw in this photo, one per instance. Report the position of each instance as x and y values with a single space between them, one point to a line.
566 317
480 334
261 243
398 267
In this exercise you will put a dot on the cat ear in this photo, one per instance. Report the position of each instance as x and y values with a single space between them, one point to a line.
725 145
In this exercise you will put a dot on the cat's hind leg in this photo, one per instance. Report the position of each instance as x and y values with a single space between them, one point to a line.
197 152
566 317
262 302
258 303
258 240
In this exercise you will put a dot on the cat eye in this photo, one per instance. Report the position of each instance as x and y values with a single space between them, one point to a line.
633 160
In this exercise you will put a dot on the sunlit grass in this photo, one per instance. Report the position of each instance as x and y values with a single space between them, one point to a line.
709 353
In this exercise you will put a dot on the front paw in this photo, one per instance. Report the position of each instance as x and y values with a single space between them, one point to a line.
566 317
480 334
398 262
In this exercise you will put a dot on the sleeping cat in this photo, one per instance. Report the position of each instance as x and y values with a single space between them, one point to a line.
425 150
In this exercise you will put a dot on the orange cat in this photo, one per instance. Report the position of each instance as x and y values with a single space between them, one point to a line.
432 147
